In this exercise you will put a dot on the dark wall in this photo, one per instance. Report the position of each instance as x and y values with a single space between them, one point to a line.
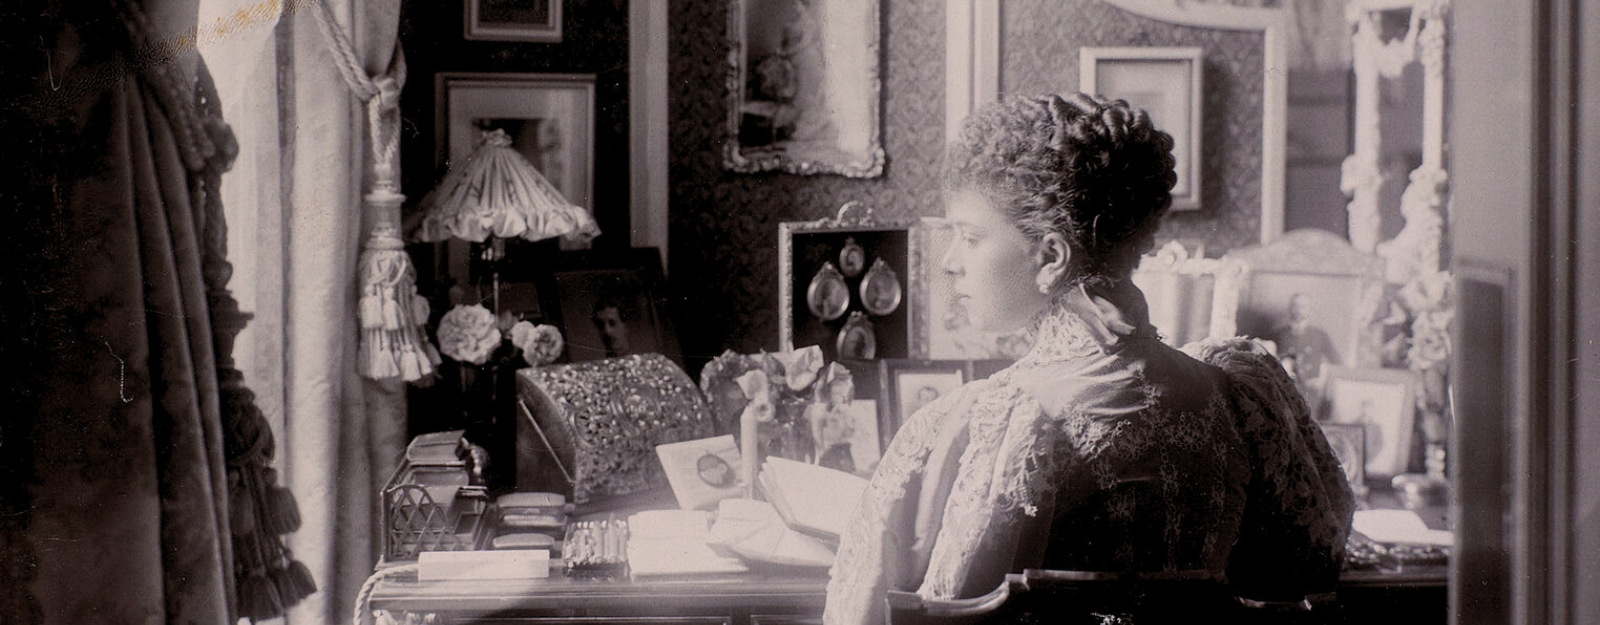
594 41
723 226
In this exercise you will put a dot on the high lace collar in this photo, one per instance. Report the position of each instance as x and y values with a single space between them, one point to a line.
1082 322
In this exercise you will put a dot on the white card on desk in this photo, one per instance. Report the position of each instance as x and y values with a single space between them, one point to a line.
435 566
1399 527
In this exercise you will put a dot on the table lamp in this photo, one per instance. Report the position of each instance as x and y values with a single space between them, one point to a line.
496 194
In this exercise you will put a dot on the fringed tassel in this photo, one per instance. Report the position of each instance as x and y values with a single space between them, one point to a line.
393 343
258 598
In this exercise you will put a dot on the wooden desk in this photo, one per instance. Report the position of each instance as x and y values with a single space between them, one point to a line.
1412 597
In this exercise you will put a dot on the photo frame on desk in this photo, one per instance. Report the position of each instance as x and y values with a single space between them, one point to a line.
1383 402
868 315
906 385
609 305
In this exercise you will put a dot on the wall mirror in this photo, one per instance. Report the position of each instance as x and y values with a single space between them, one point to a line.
804 87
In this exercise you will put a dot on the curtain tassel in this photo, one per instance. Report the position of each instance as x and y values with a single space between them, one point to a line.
393 315
259 598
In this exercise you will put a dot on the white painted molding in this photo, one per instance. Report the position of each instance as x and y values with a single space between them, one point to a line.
1273 24
647 125
972 59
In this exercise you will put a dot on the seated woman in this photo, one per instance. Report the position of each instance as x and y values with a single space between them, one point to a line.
1102 449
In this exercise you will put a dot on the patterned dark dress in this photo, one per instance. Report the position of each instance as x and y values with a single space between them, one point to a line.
1101 450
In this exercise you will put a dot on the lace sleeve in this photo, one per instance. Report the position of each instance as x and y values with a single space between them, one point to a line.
874 551
1299 505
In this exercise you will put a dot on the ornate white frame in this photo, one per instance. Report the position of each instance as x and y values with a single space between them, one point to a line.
972 72
1309 252
1418 248
735 157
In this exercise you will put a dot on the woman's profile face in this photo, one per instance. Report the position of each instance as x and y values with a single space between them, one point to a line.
991 264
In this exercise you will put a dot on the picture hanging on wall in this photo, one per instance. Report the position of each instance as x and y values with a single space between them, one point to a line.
513 20
1165 82
870 315
549 117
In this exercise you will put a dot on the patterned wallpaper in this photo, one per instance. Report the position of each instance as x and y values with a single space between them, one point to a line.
724 226
1040 53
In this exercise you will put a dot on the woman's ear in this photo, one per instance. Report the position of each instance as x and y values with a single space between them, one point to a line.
1054 256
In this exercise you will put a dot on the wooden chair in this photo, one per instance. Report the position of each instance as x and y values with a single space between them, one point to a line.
1072 597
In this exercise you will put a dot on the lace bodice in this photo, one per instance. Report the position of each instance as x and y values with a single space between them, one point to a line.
1102 449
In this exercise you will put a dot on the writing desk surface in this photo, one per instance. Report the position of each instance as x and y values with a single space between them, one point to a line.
402 592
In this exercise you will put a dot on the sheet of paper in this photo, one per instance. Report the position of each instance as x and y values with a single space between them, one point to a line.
1399 526
483 565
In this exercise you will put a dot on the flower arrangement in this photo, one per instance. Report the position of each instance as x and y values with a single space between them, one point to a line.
540 344
469 333
764 398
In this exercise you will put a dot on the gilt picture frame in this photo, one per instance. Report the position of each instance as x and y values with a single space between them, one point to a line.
804 88
909 384
809 280
1166 83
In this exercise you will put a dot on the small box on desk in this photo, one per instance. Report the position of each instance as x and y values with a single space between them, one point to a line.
590 429
431 502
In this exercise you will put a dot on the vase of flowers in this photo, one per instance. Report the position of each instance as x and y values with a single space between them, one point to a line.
780 389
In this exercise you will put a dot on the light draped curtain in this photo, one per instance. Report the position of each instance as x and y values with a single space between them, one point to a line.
294 198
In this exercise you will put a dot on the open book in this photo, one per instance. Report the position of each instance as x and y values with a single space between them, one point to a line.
812 499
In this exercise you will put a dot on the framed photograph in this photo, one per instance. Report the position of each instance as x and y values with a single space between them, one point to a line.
804 88
908 385
868 316
1383 402
702 472
550 118
514 20
944 329
611 307
846 436
1310 293
1349 443
1165 82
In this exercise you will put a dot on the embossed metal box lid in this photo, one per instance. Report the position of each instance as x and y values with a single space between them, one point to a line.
591 428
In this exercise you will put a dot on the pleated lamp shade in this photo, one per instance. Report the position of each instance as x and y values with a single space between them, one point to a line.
498 192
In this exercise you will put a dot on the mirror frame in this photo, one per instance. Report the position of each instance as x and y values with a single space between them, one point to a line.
740 158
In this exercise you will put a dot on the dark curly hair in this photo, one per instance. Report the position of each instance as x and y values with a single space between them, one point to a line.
1095 170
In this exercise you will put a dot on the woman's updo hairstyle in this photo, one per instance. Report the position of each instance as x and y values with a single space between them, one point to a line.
1094 170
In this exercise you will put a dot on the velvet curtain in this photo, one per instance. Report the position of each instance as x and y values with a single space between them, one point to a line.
112 468
294 196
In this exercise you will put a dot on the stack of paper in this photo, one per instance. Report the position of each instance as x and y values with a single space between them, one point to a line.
813 499
755 531
667 543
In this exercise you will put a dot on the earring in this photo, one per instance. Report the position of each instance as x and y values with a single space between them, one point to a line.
1044 287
